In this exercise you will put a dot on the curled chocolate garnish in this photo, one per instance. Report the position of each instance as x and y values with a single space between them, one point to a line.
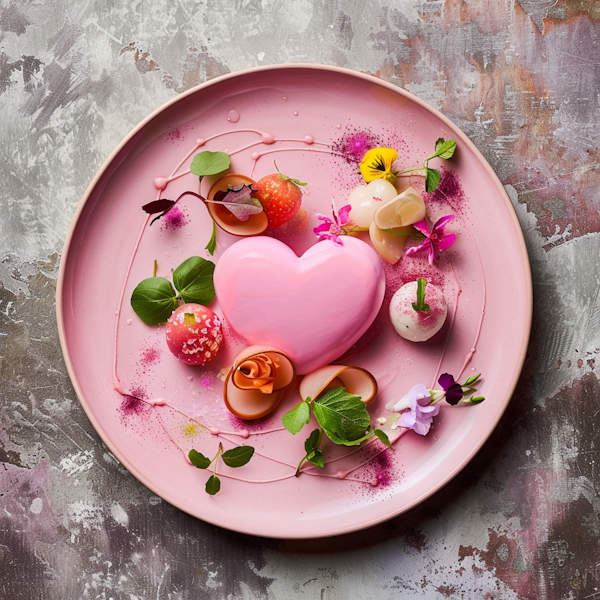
250 222
257 382
356 380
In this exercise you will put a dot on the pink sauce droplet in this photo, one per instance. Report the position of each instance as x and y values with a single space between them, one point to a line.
157 401
309 139
160 183
200 142
255 155
233 116
268 138
339 125
285 99
295 113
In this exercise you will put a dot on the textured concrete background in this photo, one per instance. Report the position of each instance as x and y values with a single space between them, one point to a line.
522 78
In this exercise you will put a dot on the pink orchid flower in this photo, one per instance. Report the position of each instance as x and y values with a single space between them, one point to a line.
331 229
435 241
420 415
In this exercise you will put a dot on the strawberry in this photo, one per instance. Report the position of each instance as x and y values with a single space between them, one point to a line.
280 197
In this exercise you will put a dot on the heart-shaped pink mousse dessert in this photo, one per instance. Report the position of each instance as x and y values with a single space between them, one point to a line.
312 307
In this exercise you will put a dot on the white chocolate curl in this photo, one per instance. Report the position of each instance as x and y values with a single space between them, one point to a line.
356 380
405 209
257 382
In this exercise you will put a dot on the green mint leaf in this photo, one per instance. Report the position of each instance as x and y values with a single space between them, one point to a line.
297 418
316 458
432 180
237 457
210 163
193 279
342 414
212 243
420 303
198 459
312 443
213 485
444 148
153 300
336 439
382 435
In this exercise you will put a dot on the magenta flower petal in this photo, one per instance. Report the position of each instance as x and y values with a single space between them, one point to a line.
322 227
344 219
446 241
422 227
439 225
435 240
331 229
418 248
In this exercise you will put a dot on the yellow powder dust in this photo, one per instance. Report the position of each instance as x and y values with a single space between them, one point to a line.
190 429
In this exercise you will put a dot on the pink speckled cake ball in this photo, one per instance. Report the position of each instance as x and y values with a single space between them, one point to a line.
194 334
418 310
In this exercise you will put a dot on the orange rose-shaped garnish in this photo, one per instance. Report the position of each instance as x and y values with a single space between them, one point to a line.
257 382
257 373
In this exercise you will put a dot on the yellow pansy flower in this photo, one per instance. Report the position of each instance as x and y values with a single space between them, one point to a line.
377 164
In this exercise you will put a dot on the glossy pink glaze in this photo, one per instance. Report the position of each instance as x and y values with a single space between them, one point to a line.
312 307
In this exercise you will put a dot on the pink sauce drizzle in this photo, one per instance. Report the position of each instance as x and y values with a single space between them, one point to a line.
161 183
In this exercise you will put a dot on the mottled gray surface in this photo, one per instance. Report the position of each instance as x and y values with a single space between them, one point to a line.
522 521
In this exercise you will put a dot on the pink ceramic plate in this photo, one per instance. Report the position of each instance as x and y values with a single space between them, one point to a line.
309 119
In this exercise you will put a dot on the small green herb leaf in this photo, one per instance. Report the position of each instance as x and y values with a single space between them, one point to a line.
213 485
343 414
297 418
444 148
316 458
210 163
312 441
420 303
432 179
193 278
198 459
383 438
476 399
212 243
153 300
237 457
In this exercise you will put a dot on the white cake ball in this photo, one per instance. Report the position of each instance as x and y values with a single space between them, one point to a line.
418 325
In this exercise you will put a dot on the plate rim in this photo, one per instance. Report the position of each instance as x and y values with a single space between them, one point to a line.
64 258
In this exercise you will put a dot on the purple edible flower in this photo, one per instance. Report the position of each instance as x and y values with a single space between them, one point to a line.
435 240
331 229
454 391
421 412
